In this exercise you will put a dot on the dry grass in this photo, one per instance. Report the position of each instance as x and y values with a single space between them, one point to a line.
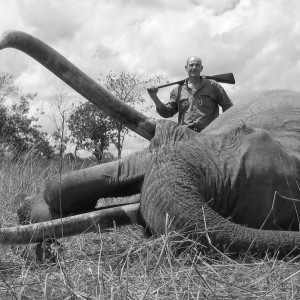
123 264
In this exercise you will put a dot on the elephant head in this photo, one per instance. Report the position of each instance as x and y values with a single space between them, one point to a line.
234 186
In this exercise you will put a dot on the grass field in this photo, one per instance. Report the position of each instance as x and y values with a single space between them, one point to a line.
122 263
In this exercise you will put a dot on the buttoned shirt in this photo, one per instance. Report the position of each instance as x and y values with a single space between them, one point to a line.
196 109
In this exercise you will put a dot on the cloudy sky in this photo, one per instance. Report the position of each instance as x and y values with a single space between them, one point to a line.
257 40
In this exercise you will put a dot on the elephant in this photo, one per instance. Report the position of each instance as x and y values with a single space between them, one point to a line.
233 187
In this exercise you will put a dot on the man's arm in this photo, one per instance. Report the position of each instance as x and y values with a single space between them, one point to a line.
225 107
223 100
165 110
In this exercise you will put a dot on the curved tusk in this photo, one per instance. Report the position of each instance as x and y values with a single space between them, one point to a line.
79 81
89 222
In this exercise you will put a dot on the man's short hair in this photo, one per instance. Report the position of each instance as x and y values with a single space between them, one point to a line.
187 62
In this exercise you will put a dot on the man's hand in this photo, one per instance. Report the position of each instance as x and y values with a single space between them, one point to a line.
153 94
152 91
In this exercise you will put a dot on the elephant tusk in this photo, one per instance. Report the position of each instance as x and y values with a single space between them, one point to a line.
123 201
83 223
79 81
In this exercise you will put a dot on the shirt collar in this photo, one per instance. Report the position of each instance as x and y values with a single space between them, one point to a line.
186 81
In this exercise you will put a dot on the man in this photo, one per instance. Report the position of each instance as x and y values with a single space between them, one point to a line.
196 101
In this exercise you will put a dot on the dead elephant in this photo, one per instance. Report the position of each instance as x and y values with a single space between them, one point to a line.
235 185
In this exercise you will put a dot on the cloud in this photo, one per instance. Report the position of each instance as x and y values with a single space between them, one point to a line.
217 7
52 20
259 41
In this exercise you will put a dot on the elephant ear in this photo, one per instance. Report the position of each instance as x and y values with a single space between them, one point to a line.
169 133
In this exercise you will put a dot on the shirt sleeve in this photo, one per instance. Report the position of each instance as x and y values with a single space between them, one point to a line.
223 99
171 108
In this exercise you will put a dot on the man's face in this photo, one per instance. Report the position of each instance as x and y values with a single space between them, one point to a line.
194 67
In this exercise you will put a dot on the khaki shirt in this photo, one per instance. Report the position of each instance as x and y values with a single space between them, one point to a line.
196 109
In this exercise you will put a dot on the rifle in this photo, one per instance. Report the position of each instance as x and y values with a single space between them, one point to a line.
225 78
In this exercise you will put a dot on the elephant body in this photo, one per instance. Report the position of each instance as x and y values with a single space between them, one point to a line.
245 174
246 170
234 185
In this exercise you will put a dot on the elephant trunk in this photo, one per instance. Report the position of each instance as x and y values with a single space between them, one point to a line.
202 224
230 237
89 222
80 82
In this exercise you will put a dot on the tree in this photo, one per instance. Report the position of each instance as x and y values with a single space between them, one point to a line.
60 118
19 133
7 86
129 88
90 128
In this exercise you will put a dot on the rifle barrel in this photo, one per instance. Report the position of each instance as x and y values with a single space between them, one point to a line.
225 78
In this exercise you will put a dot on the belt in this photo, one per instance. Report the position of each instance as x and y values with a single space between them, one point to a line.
195 129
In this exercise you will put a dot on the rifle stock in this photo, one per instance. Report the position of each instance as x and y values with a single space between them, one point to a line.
224 78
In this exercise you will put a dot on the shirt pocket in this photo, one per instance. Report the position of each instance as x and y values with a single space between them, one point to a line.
206 102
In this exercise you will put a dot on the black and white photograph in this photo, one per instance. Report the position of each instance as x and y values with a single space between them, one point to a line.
149 149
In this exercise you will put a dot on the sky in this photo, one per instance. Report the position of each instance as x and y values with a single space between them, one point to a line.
258 41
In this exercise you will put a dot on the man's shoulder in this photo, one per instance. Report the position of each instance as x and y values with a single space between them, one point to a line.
210 85
211 82
179 86
177 89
